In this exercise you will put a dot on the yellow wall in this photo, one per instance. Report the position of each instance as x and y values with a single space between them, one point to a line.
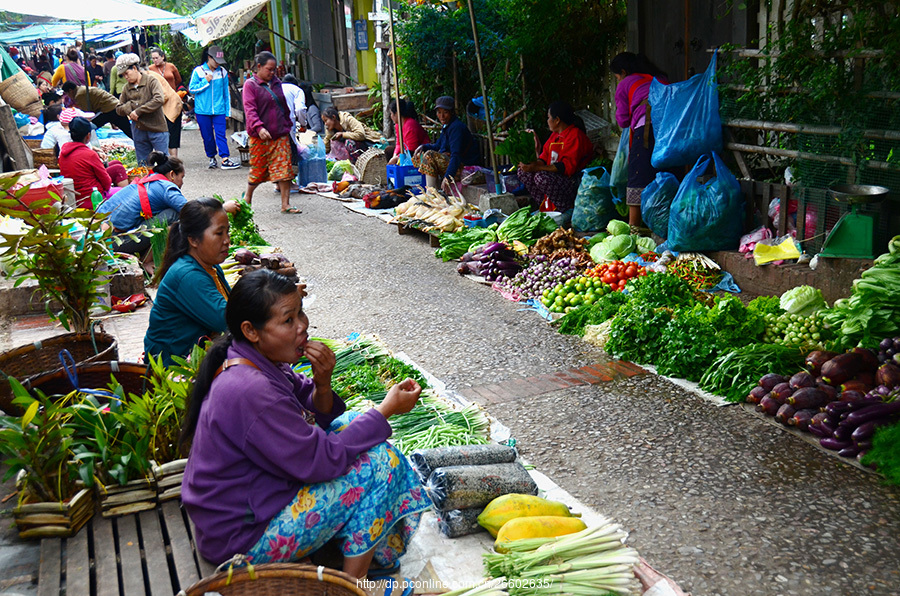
365 60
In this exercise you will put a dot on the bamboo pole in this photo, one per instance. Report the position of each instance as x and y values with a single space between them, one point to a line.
487 103
399 127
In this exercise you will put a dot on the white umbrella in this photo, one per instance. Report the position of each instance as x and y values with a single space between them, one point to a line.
95 10
226 20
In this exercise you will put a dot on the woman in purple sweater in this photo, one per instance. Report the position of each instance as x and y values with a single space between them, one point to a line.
276 467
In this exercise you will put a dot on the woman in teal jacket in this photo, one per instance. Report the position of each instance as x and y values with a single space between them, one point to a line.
190 303
212 104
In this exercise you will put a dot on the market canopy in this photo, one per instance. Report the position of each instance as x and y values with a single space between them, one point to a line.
50 32
96 10
223 21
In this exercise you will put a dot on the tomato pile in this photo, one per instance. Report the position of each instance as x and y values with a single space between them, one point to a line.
616 273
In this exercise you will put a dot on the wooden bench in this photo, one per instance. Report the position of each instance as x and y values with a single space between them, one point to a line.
149 553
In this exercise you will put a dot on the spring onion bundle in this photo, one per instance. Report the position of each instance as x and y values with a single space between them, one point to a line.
593 561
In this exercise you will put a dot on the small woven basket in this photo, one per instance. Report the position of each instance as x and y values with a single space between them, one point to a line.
371 167
20 94
42 357
46 157
33 143
93 375
277 579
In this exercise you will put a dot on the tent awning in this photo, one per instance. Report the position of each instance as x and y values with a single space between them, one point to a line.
226 20
96 10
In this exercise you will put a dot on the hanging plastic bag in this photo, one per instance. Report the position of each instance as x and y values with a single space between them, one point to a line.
404 159
619 175
783 248
707 216
656 201
685 118
311 167
594 202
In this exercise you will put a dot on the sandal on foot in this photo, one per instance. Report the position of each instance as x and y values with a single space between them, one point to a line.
377 571
291 211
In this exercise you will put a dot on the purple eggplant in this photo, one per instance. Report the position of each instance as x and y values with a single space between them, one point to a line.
874 412
863 445
819 430
886 344
866 430
851 396
492 247
784 413
836 408
851 451
834 444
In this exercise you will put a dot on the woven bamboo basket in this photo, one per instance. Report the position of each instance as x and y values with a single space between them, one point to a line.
45 157
28 362
278 579
33 143
371 167
20 94
93 375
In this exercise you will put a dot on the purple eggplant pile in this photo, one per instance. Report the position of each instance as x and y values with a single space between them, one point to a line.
840 398
493 262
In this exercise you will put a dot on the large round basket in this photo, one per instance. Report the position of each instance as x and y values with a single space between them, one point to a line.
279 579
42 357
371 167
93 375
45 157
20 94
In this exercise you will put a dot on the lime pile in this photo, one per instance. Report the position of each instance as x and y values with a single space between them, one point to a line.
574 292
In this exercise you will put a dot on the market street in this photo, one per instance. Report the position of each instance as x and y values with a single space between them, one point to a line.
717 499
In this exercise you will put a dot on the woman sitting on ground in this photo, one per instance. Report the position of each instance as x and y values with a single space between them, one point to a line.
344 134
82 164
127 211
190 302
276 467
455 148
556 173
413 134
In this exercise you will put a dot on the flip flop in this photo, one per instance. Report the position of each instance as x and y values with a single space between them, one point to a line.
377 572
291 211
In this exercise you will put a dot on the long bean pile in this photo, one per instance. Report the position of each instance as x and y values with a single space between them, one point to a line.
593 561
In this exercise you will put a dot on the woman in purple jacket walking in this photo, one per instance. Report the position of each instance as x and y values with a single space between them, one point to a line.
277 468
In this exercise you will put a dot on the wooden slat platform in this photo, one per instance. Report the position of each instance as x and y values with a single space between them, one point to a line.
149 553
433 237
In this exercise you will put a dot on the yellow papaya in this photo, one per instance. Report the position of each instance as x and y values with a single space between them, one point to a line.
541 526
507 507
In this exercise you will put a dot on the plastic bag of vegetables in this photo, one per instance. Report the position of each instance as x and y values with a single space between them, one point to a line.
656 201
594 206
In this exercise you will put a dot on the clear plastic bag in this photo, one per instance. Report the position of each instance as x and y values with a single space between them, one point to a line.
685 116
594 206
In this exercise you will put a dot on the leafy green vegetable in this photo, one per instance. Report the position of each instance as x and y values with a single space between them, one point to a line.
596 239
524 227
736 324
601 311
456 244
660 290
392 371
688 344
635 332
885 453
617 227
733 374
803 301
766 305
360 379
518 146
243 230
645 245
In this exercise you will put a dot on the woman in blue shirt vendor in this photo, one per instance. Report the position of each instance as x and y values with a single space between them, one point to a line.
155 197
190 302
455 147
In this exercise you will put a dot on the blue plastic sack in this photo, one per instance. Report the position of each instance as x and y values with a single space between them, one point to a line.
594 202
726 284
685 118
618 177
404 159
707 216
656 201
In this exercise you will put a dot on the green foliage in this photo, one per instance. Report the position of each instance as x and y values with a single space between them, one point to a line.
606 307
635 332
766 305
360 379
736 324
885 453
67 271
510 30
518 146
733 374
813 75
393 370
243 230
39 443
242 45
688 344
657 290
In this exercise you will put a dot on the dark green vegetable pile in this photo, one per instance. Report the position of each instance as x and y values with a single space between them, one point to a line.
243 230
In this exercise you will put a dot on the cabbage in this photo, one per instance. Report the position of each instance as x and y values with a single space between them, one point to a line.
602 253
645 245
617 227
802 301
621 245
598 237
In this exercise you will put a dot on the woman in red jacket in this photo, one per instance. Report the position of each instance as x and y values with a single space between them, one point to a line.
556 172
82 164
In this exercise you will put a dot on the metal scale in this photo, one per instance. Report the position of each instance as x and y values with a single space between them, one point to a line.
853 236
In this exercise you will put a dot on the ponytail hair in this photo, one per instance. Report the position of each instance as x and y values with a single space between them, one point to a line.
163 164
251 300
192 222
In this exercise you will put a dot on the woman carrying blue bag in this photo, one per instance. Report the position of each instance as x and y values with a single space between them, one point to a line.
635 73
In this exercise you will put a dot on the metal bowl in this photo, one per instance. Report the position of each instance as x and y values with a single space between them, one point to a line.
858 193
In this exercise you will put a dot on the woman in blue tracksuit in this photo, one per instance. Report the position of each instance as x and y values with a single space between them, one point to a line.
212 104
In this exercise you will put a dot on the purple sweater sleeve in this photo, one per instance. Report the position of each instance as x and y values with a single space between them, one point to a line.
623 110
280 441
